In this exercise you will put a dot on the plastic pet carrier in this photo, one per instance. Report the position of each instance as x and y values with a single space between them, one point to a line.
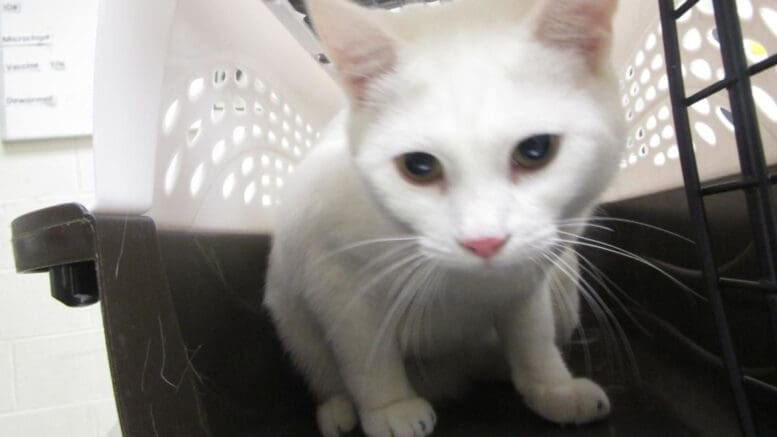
204 108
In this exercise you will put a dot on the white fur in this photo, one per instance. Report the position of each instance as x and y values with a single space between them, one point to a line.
371 292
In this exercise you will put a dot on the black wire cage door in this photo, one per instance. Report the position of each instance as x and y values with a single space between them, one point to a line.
755 182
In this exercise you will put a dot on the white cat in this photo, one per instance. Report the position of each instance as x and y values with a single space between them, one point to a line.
424 242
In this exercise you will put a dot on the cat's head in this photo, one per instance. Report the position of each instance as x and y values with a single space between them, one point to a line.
485 127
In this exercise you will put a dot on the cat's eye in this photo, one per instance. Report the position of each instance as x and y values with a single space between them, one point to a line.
534 152
420 167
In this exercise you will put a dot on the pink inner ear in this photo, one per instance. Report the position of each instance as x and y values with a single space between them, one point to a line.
361 63
581 25
358 46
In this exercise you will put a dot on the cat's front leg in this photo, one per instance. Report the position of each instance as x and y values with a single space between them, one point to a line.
537 368
372 368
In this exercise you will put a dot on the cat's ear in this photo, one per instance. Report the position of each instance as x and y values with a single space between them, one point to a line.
357 45
584 26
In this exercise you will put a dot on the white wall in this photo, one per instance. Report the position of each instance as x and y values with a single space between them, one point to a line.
54 377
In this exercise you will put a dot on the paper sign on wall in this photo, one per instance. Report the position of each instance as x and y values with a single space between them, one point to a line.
47 68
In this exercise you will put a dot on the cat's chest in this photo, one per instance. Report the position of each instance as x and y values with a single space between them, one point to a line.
449 326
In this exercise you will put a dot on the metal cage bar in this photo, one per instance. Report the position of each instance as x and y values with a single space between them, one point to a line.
694 194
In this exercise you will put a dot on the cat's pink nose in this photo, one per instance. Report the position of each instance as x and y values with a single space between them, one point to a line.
484 247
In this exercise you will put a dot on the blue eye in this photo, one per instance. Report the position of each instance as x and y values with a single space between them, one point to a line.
535 151
420 167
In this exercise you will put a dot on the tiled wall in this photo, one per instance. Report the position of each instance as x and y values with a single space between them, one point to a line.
54 378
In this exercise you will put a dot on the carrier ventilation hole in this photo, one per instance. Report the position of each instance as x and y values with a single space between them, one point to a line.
219 78
249 193
639 58
639 105
651 122
663 83
239 135
217 112
285 143
171 175
297 152
229 186
298 120
256 130
701 69
643 151
659 160
195 88
240 78
657 62
668 132
265 180
193 133
285 126
655 141
766 103
279 182
266 200
274 99
706 133
713 38
673 152
755 51
705 6
651 94
651 42
197 178
633 159
171 117
218 151
769 17
258 109
287 110
664 113
725 117
247 166
265 161
239 105
745 9
259 86
271 137
273 117
692 40
644 77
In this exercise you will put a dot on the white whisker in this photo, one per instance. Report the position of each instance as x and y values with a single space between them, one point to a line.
610 248
628 221
363 243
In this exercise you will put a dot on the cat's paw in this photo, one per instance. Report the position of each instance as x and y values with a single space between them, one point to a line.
407 418
577 401
336 417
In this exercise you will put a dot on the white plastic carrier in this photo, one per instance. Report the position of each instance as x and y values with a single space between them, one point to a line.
203 108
